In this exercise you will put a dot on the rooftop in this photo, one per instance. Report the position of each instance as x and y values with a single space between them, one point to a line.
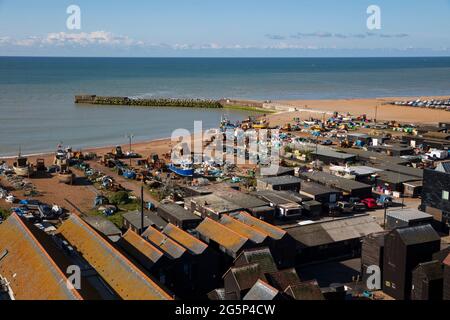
394 177
415 172
281 180
408 214
308 290
332 153
194 245
283 279
264 227
334 181
222 235
261 256
150 219
279 197
31 272
215 203
177 211
122 275
163 242
312 189
321 233
261 291
246 275
142 246
243 229
418 234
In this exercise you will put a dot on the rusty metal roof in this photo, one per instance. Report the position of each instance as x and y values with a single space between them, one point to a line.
264 227
194 245
243 229
31 272
163 242
142 246
222 235
121 274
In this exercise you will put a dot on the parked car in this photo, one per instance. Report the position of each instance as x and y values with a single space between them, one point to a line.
327 143
385 200
370 203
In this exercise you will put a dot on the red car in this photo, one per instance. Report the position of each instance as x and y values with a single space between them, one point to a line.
370 203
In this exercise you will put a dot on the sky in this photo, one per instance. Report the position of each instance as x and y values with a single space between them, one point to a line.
225 28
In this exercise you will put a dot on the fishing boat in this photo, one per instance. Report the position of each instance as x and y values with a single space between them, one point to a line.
65 175
225 124
21 167
185 169
261 124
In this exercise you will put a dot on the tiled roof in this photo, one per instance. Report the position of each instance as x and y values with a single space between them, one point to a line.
194 245
261 291
243 229
264 227
163 242
283 279
247 275
222 235
32 273
261 256
308 290
142 246
122 275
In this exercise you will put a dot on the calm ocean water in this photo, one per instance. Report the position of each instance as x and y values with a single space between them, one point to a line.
36 94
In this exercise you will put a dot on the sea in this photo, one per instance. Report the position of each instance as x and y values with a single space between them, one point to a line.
36 94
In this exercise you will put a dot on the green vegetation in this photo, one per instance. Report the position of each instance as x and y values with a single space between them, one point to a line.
119 198
4 214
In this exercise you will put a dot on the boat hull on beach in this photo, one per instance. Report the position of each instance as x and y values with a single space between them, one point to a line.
181 171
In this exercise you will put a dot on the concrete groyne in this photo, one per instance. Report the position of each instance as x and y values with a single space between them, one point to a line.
155 102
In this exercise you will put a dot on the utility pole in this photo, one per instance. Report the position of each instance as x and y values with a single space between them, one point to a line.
142 209
130 137
376 113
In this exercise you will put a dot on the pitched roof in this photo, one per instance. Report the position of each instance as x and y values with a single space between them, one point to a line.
142 246
431 270
243 229
335 181
222 235
264 227
283 279
31 272
262 256
246 275
194 245
418 234
308 290
150 219
261 291
177 211
316 234
443 167
122 275
163 242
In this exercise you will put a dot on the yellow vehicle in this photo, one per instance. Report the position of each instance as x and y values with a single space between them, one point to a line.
261 124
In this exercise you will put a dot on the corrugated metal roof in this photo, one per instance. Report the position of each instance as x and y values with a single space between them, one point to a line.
261 291
418 234
243 229
322 233
31 272
123 276
142 246
222 235
409 214
264 227
177 211
194 245
163 242
215 203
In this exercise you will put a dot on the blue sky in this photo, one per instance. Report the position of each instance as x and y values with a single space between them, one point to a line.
225 28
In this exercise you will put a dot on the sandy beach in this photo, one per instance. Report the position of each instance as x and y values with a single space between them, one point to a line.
385 112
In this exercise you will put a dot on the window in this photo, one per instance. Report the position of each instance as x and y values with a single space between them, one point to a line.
445 195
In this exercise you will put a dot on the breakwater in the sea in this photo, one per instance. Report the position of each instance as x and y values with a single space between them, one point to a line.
156 102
